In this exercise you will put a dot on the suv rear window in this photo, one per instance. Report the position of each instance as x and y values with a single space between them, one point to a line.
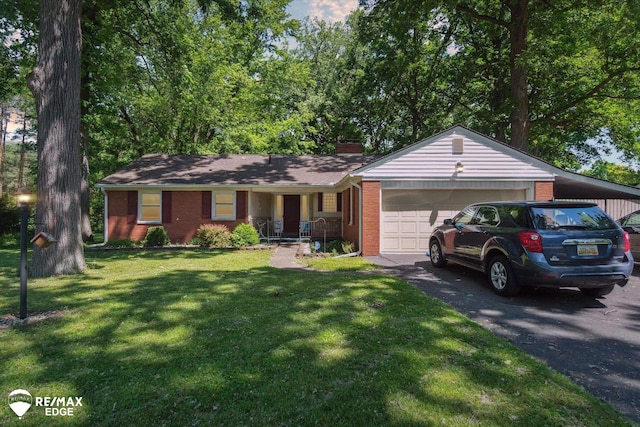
571 218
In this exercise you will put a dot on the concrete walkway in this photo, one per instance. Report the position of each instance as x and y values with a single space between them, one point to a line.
284 256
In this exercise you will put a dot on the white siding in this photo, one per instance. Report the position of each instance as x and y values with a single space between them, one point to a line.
482 158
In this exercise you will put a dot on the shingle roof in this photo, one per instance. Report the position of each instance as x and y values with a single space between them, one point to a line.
236 169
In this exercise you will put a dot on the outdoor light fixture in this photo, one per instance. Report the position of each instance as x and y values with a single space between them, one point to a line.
459 167
24 197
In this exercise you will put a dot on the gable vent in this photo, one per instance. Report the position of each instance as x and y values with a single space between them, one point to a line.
457 146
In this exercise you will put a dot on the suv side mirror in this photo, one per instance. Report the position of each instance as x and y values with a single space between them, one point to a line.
448 221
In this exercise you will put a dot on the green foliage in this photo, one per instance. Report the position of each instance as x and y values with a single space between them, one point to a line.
338 247
348 247
616 173
9 215
334 247
122 243
244 235
214 236
156 236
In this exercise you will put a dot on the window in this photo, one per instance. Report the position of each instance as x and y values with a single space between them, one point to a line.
224 205
150 207
487 215
569 217
465 216
632 220
329 202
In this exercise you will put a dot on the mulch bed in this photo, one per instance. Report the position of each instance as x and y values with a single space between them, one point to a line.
9 320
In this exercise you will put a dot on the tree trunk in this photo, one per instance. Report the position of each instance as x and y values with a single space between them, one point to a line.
55 83
520 123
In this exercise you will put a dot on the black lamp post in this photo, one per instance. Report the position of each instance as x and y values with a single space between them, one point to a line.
24 198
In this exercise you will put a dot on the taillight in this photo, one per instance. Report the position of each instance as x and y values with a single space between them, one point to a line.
531 241
627 242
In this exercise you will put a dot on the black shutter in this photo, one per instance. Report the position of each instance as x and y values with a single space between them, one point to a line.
339 202
166 207
320 198
132 207
206 205
241 205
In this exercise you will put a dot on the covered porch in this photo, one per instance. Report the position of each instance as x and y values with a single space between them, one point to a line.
296 216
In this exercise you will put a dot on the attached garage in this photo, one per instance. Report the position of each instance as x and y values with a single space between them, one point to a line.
423 184
408 216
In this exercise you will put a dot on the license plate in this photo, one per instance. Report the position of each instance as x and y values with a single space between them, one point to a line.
584 250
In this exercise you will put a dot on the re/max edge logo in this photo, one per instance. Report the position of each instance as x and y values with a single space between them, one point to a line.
20 401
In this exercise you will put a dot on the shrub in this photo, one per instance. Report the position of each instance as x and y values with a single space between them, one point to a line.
245 235
334 247
337 247
156 236
348 247
122 243
214 236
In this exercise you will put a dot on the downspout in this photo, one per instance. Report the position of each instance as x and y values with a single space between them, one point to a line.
352 254
106 216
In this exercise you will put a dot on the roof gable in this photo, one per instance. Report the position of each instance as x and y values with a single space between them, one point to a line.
434 158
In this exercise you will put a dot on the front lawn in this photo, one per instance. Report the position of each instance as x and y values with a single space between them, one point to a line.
220 338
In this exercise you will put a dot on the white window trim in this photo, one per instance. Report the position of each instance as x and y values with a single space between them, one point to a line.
351 204
142 221
213 206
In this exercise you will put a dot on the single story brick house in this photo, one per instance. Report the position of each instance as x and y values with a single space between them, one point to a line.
382 204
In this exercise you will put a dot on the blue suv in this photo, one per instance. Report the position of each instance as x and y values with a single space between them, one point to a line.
539 244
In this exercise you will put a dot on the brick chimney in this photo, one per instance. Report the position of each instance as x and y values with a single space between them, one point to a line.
349 148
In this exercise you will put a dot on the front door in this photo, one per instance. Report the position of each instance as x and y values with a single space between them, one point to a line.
291 214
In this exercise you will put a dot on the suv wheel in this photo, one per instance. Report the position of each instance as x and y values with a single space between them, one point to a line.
598 292
503 280
437 259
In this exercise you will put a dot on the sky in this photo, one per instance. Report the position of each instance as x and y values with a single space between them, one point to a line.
326 10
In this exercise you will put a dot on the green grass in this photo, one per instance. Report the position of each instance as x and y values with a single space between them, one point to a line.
220 338
338 264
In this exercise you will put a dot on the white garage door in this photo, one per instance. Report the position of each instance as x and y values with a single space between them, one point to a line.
408 216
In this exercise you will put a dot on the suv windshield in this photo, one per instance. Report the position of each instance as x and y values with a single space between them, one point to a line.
554 218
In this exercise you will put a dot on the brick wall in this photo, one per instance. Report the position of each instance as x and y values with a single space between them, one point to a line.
371 218
543 190
186 217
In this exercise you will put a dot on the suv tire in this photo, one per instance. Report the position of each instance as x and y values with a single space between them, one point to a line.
503 280
435 254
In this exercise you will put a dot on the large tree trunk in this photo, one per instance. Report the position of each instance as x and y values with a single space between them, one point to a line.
55 83
520 122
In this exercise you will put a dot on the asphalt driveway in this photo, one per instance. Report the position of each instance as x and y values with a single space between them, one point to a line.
594 341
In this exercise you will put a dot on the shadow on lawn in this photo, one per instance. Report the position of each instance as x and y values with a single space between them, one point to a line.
262 346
